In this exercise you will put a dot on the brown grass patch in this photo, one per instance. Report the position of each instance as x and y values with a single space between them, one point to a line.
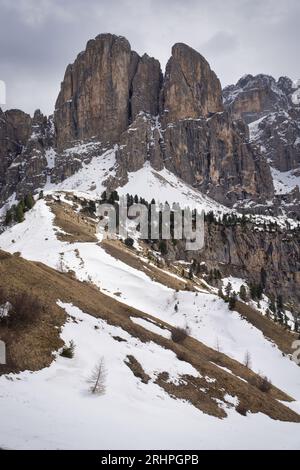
282 337
78 227
137 369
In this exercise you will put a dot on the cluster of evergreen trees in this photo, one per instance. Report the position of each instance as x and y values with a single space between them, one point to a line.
233 219
113 198
227 220
17 211
277 311
230 296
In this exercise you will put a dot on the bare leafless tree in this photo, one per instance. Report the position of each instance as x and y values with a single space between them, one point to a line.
97 380
218 346
247 360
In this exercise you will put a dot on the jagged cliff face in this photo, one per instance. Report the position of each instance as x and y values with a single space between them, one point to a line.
190 89
24 143
194 137
267 257
112 96
94 97
14 133
106 87
272 110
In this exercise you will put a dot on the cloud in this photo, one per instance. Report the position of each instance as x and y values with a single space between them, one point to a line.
222 42
40 37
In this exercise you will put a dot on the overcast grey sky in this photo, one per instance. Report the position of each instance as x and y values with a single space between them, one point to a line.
40 37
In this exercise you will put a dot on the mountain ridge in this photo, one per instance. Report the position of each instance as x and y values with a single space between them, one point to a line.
109 91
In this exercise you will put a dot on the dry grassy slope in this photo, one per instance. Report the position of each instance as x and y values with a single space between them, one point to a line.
32 348
77 227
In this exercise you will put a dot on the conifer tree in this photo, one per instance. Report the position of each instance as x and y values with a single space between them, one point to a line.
29 201
19 214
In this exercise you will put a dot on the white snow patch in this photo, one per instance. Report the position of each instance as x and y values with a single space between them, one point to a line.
284 182
50 155
52 408
151 327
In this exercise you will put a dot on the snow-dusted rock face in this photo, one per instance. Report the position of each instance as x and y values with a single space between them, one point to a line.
210 154
278 137
24 146
14 133
254 97
272 110
112 97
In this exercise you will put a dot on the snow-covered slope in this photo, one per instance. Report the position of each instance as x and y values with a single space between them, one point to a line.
147 183
53 409
207 316
53 394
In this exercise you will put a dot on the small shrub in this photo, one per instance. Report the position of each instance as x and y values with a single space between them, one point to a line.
19 214
262 383
68 351
179 334
163 247
228 289
220 293
241 409
26 309
29 201
129 242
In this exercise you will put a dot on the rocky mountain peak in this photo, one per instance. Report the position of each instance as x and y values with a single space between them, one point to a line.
254 96
110 96
94 96
271 108
191 89
109 85
285 84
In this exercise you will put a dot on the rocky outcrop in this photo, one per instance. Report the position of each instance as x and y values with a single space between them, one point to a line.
195 138
191 89
94 97
260 255
14 132
112 96
145 88
278 136
272 110
254 97
28 140
104 90
213 155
